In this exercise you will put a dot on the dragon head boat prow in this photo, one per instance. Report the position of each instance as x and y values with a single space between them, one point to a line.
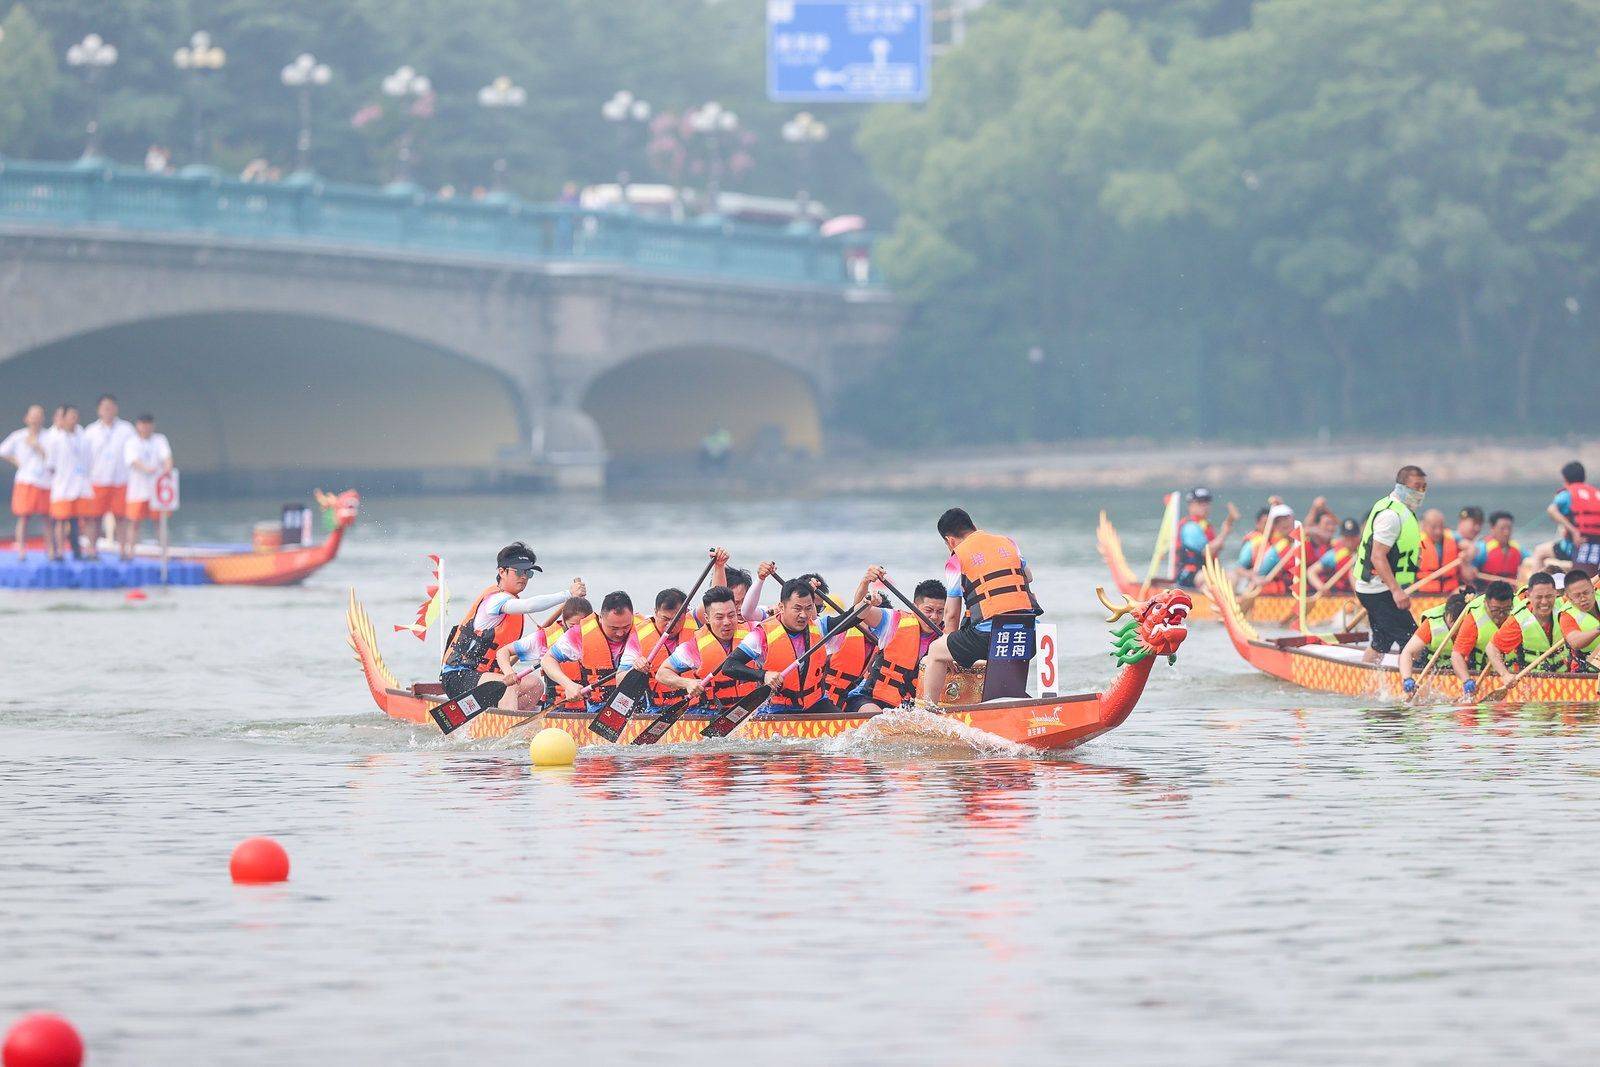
343 508
1153 627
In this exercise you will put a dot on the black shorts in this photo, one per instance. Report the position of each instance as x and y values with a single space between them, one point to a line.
967 646
458 684
1392 627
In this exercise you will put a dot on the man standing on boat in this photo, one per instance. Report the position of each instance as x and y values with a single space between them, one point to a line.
495 619
1386 562
987 573
1197 541
30 492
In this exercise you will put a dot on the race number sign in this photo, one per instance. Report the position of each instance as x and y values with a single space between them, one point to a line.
164 496
1046 668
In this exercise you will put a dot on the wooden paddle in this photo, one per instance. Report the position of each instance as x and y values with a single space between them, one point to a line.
1427 669
485 697
1500 694
730 720
613 714
898 595
1338 576
669 716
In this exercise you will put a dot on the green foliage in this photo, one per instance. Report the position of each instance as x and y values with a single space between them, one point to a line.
27 82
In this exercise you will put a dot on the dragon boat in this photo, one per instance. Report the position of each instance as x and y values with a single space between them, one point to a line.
268 561
1333 663
1274 609
1148 628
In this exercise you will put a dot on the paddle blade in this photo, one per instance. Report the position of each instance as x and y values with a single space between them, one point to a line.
610 720
665 721
453 715
729 720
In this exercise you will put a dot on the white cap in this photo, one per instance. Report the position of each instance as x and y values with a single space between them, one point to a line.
1280 511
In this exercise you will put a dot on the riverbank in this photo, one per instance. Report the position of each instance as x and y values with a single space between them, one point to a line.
1136 464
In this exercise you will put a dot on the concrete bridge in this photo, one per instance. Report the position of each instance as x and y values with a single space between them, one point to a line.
300 332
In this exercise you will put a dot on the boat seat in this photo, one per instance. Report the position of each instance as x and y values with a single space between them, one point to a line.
427 689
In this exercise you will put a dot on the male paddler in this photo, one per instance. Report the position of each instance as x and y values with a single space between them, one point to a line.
902 641
1529 632
693 667
494 619
1580 622
987 573
775 645
1485 614
1576 511
1386 562
1432 629
526 688
1330 569
604 647
649 631
1196 540
1438 549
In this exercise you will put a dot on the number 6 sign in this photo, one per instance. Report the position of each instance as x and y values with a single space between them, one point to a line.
1045 663
164 496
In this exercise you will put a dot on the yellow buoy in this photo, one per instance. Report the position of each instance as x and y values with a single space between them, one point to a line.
552 748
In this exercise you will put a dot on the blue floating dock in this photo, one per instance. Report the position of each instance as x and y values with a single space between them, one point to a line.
39 572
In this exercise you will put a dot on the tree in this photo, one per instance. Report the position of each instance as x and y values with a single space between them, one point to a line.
28 79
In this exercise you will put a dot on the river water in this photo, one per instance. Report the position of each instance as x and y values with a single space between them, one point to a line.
1243 873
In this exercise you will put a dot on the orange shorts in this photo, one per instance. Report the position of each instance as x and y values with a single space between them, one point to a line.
28 500
110 500
82 508
138 510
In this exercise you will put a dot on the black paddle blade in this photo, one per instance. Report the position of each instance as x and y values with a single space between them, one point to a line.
665 721
457 713
610 720
729 720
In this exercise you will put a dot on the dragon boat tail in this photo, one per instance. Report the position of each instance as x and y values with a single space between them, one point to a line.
1145 630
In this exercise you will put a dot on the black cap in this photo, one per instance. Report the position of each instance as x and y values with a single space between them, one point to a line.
1200 494
518 557
1350 528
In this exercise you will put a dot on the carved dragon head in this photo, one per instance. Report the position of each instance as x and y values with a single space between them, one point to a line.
342 508
1149 627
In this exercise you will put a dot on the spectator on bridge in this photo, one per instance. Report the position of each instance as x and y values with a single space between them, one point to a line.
149 456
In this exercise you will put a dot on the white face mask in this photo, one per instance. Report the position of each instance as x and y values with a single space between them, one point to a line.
1411 498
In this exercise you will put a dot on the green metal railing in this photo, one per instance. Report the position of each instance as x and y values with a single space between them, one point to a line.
123 199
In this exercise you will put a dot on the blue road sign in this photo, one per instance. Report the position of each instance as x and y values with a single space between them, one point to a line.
849 51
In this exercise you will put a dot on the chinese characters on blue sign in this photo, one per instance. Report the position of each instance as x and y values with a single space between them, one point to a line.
847 50
1011 640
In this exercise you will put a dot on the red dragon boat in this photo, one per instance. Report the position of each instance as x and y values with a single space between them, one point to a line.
1333 663
1273 609
1148 629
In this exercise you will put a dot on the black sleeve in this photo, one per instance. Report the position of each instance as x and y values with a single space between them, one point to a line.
738 667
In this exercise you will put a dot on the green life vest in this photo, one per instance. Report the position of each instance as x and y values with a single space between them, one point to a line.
1535 642
1437 627
1487 628
1403 554
1584 621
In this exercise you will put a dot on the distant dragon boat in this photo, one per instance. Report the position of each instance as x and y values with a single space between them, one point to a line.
1333 664
1147 629
1274 609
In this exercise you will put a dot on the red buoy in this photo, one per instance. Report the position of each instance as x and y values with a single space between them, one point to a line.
42 1040
259 860
136 594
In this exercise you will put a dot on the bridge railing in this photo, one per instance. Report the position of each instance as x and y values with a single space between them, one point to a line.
133 200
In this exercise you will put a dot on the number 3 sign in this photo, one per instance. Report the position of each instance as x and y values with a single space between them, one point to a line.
1044 660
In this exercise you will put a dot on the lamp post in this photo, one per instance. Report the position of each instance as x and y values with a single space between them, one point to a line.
624 111
406 82
711 120
200 56
304 74
499 95
804 131
94 56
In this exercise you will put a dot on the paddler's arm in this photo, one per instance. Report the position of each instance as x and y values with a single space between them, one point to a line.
1510 633
552 670
503 658
739 665
1385 574
1214 545
1408 655
1578 640
1466 641
872 614
527 605
667 676
719 566
1564 524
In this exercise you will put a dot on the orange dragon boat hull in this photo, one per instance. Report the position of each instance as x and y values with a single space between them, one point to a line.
1334 665
1269 608
1051 723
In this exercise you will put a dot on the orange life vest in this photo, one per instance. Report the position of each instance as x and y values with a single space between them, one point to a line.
597 661
1429 560
475 649
645 629
1501 560
1585 509
800 689
848 654
992 577
720 689
1341 556
1287 547
892 674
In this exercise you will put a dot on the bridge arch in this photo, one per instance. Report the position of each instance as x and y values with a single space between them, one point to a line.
659 405
263 399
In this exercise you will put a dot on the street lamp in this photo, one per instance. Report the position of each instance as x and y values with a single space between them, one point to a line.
304 74
624 110
804 131
499 95
94 55
404 82
711 120
199 56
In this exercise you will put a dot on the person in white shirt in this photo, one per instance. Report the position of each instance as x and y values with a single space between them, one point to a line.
108 438
30 490
71 493
148 456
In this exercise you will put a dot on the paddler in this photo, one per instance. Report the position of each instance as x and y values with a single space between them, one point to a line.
693 667
1576 511
1250 548
1499 555
1432 629
1437 549
1281 546
1579 619
1196 540
603 647
1530 630
30 491
495 619
1386 562
987 573
1485 615
776 644
902 641
648 633
526 689
1328 568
